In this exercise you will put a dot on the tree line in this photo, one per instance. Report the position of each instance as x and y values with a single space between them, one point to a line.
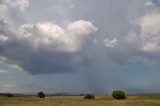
117 94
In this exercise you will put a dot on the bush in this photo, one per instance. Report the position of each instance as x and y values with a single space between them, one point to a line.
40 94
119 95
9 95
89 96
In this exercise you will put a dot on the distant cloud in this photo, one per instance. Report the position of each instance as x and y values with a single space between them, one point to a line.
150 34
149 3
3 38
156 3
9 86
10 4
110 43
3 71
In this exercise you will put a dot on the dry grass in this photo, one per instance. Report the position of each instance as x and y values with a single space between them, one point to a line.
132 100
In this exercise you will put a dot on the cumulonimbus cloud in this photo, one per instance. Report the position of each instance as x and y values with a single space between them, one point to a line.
45 46
42 47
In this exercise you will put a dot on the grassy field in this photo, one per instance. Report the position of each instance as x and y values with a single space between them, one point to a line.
132 100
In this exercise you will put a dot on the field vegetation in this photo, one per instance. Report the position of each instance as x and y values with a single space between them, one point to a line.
132 100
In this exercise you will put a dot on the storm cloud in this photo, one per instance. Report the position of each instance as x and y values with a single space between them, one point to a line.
44 47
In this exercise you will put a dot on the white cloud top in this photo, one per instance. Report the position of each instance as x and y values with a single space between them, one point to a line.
53 37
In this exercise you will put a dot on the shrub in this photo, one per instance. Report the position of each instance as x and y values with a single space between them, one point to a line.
9 95
89 96
40 94
119 95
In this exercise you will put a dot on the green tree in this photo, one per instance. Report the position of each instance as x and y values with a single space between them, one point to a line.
89 96
9 95
119 95
41 94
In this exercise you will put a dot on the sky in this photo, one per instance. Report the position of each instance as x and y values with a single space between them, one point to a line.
79 46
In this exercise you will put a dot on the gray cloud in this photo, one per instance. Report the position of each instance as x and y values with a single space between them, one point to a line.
156 3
